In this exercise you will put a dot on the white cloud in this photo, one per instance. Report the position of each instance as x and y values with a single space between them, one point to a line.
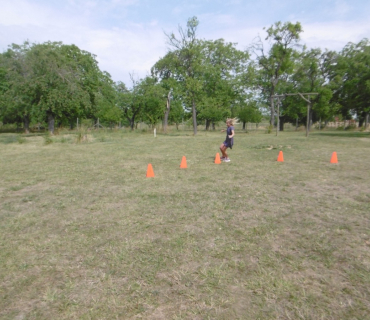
119 51
334 35
126 45
134 48
330 34
122 51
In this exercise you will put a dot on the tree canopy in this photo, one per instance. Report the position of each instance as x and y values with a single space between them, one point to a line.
52 81
207 80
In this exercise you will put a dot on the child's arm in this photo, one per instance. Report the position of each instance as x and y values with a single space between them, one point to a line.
232 134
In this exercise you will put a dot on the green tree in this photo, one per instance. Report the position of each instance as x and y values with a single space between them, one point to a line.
4 87
17 98
67 82
154 96
145 100
207 74
354 68
177 114
164 71
54 81
186 56
278 62
127 101
309 77
224 68
249 112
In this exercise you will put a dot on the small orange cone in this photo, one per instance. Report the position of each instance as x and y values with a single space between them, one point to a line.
150 172
217 159
280 157
183 164
334 158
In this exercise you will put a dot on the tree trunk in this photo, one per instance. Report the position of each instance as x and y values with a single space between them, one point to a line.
278 118
167 112
308 120
51 123
213 126
208 123
243 125
361 121
281 123
194 118
272 116
26 123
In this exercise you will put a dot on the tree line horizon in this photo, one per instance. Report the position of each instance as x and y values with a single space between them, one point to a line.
205 81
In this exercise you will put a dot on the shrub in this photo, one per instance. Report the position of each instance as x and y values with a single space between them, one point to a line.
270 128
351 127
47 139
21 139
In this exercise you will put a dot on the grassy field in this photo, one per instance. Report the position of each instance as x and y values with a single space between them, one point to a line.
85 235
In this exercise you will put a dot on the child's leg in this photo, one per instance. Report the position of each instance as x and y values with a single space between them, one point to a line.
223 150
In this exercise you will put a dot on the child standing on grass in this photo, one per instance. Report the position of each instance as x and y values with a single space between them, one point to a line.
228 143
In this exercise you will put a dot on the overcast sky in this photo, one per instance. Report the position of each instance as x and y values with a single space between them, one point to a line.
127 36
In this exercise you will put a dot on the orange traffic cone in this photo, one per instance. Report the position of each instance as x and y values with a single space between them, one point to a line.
150 172
280 157
183 164
334 158
217 159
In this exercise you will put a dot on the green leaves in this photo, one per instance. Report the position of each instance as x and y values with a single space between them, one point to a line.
211 79
354 68
277 64
249 112
146 99
205 74
55 79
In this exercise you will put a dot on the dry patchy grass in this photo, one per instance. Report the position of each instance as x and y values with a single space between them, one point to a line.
85 235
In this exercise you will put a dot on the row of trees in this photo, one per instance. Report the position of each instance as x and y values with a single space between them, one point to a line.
341 79
204 80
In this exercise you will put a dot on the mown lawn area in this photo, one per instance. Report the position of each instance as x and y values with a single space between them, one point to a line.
85 235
